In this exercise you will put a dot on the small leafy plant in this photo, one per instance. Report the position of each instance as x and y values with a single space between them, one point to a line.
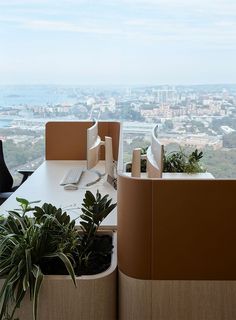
179 161
49 243
175 161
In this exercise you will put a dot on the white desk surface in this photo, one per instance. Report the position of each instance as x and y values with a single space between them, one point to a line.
44 185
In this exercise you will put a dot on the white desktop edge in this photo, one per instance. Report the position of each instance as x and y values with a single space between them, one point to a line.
174 176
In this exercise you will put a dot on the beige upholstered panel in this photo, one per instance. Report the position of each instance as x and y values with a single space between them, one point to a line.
194 229
134 207
68 140
177 229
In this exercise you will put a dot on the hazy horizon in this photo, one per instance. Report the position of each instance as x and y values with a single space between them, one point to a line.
117 85
117 42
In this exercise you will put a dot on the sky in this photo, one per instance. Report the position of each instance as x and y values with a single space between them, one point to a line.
117 42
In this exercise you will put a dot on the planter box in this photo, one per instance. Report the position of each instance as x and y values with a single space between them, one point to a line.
93 299
172 175
183 175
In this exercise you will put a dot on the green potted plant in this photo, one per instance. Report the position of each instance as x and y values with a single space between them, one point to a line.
50 268
175 161
181 161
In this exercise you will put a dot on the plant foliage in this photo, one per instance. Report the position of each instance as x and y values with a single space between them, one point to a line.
175 161
47 243
180 161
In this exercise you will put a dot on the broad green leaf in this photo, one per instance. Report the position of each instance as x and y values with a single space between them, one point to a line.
22 201
84 217
66 262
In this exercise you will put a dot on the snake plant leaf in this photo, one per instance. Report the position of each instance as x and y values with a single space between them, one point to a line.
38 282
28 267
5 292
66 262
19 297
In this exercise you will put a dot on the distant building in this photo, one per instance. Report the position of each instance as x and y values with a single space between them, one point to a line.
227 129
90 101
196 140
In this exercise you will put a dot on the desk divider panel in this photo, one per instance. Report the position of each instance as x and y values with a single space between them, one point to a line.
177 229
134 205
67 140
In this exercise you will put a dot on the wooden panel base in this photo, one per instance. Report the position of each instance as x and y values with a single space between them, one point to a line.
176 300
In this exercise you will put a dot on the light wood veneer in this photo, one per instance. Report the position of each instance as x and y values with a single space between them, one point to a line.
176 300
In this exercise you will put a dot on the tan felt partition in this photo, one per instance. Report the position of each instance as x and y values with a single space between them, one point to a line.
177 229
134 201
67 140
194 229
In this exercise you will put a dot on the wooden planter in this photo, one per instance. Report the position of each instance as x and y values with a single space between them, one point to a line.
172 175
94 298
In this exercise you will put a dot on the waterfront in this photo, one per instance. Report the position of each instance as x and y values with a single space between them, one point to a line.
5 123
201 117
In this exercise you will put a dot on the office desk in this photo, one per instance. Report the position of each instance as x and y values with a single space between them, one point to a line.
44 185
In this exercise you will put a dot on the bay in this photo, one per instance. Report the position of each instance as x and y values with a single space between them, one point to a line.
5 123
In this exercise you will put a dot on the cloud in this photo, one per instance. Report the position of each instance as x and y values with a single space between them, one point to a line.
10 3
220 31
149 31
192 22
61 26
219 7
68 27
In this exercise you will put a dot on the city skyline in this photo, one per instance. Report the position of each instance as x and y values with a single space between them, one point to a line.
123 42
